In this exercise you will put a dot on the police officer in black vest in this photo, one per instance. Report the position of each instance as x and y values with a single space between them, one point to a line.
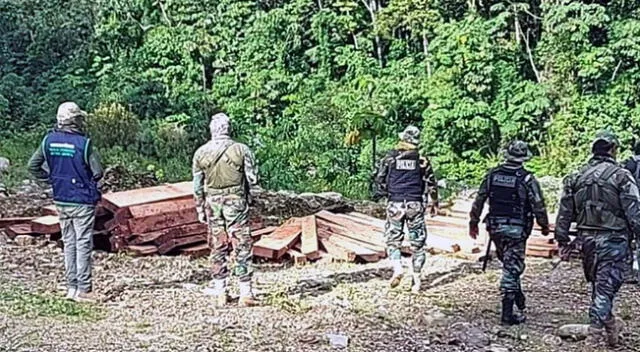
515 198
405 177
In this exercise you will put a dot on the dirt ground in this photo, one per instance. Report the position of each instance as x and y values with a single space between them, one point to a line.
155 304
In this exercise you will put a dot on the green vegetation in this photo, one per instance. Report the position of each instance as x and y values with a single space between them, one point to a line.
15 300
319 87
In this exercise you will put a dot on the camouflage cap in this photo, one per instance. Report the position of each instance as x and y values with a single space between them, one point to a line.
220 125
411 134
69 113
606 136
517 151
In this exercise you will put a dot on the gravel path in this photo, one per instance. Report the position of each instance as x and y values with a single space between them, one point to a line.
155 304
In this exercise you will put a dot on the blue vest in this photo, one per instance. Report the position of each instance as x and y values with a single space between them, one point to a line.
70 174
404 181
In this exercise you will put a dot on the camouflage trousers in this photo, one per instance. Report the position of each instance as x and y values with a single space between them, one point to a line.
411 213
604 260
229 234
510 242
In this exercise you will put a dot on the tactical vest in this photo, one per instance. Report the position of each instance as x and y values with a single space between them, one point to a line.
404 181
225 171
69 172
508 196
597 200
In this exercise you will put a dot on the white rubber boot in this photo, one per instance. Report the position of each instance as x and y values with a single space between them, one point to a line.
398 273
246 295
217 289
71 294
417 283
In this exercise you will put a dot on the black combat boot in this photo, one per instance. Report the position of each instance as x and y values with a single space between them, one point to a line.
521 301
508 317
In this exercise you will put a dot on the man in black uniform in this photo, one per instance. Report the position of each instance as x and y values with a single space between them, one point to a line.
515 198
602 198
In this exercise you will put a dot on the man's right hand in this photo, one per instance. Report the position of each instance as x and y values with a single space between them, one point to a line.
565 252
202 217
473 230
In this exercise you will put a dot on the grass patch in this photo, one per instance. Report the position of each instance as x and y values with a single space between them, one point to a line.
280 300
17 301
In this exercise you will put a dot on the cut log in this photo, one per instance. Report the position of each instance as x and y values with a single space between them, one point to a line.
6 222
297 257
118 200
16 230
276 245
140 251
181 242
46 225
309 237
201 250
337 252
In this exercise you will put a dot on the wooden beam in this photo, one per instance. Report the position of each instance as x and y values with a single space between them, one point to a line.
181 242
279 241
140 251
6 222
197 251
16 230
163 220
309 238
337 252
297 257
46 224
117 200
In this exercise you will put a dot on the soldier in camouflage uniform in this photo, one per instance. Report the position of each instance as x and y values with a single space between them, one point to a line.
405 177
515 198
602 198
224 171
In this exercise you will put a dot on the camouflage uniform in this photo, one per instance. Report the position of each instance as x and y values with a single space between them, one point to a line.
515 198
602 198
223 173
405 177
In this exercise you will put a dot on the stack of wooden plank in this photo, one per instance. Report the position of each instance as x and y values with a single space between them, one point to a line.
163 220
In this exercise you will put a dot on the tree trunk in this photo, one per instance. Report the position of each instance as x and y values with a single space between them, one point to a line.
425 49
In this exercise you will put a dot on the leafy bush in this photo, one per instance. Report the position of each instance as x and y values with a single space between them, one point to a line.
113 125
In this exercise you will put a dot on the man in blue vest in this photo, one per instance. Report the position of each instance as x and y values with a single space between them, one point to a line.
405 177
515 198
67 160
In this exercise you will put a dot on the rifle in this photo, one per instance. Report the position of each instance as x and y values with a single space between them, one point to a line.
486 256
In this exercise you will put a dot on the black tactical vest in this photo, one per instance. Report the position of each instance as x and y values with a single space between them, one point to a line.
508 196
405 177
597 200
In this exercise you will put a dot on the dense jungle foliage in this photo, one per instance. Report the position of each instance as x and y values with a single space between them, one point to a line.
317 87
